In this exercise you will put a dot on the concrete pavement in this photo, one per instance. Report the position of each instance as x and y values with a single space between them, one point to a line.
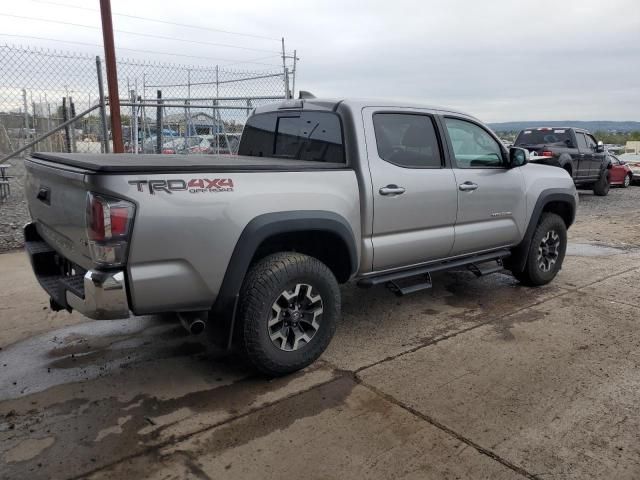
477 378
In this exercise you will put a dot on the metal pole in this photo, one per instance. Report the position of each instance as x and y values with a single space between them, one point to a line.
286 83
159 123
72 113
112 75
293 74
65 119
33 116
134 122
26 114
216 126
284 71
103 108
48 119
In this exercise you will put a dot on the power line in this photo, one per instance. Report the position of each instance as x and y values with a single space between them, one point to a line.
232 62
156 20
149 35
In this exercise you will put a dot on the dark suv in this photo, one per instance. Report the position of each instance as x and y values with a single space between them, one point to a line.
573 149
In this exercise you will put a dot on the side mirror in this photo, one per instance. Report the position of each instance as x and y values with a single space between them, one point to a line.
518 157
600 147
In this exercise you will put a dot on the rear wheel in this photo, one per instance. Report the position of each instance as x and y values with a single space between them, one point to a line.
546 252
627 180
601 187
289 307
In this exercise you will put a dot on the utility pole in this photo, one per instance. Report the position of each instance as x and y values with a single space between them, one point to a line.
112 75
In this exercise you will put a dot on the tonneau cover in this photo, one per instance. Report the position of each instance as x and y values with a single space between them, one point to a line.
130 163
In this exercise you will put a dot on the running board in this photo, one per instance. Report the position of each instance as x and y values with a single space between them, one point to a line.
485 268
479 264
405 286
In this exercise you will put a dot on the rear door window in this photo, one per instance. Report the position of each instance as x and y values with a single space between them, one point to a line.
407 140
313 136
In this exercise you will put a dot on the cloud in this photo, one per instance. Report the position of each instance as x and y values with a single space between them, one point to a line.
499 60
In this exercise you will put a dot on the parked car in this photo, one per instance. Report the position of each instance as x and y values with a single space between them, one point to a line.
322 192
193 144
223 143
633 162
572 149
620 173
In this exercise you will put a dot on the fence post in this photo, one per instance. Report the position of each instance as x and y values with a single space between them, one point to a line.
134 122
159 125
287 92
103 108
72 113
26 114
293 74
65 117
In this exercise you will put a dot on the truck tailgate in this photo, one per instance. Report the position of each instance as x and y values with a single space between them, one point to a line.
57 198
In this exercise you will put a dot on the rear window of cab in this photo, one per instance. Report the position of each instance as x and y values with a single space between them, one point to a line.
311 136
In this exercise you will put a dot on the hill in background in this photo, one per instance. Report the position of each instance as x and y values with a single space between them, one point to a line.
592 126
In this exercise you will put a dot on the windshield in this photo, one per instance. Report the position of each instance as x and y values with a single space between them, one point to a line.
547 136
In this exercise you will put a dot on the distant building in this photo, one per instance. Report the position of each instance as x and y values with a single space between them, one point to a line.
632 147
195 124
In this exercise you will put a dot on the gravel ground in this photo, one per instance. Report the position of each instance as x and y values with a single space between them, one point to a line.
609 215
13 211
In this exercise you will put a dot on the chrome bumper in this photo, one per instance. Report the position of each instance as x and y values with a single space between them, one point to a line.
97 294
105 296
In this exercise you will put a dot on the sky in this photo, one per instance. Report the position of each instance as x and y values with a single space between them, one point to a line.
498 60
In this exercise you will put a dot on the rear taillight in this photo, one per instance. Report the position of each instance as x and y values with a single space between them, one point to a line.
546 153
109 223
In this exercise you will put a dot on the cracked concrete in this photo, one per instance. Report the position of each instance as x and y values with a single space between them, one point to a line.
477 378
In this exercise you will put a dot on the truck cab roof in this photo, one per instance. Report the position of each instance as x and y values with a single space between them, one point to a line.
354 104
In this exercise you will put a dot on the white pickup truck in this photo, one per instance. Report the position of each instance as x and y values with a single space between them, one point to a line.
322 192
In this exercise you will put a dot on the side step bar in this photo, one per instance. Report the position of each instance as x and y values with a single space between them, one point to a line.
419 278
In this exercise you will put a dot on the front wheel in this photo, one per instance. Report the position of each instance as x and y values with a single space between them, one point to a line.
546 252
627 181
289 307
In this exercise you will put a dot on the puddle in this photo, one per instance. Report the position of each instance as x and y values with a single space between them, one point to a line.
592 250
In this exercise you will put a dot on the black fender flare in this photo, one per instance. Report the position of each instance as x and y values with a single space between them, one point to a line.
518 258
565 160
267 225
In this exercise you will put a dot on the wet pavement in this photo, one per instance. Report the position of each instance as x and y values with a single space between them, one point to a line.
476 378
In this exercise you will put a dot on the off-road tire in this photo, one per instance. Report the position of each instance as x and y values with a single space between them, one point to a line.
602 186
533 275
263 285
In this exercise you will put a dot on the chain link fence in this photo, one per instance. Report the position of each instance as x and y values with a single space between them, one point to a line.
165 107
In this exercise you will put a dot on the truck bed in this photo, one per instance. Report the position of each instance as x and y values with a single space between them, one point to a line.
148 163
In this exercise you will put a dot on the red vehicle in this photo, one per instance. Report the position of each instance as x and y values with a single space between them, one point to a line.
620 173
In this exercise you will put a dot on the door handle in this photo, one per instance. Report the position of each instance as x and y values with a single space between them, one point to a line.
468 186
392 190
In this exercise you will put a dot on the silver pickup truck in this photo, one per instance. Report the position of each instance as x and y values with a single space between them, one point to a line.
322 192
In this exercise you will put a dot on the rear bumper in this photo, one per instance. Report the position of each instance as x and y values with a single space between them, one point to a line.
97 294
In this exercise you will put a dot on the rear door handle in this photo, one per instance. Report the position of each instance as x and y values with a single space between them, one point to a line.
392 190
468 186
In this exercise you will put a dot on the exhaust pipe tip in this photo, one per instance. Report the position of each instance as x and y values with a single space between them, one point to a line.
193 322
196 327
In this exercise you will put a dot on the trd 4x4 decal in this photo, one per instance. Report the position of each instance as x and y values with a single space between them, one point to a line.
195 185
